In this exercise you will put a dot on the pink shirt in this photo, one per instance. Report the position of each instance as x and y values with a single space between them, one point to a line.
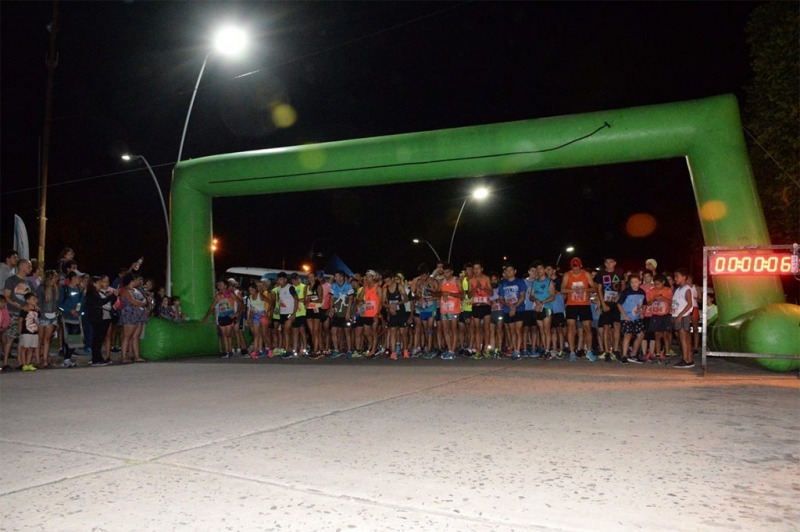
5 318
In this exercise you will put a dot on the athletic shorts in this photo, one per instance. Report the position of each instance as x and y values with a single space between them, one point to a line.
448 317
224 321
299 321
632 327
508 318
682 324
312 314
425 315
540 315
481 311
610 316
497 317
584 312
648 334
363 321
696 313
284 318
528 318
257 317
465 316
559 320
323 316
661 323
398 320
338 322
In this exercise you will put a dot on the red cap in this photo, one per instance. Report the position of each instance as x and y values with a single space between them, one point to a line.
576 262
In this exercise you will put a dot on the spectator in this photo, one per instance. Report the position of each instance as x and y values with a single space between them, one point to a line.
70 305
100 299
132 317
9 266
48 316
14 290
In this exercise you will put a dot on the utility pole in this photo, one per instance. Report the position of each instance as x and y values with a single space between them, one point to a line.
52 61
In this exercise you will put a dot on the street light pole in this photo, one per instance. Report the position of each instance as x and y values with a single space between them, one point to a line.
479 193
191 104
166 216
418 240
569 249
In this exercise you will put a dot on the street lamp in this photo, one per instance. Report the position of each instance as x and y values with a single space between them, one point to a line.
479 194
568 249
418 240
127 157
228 41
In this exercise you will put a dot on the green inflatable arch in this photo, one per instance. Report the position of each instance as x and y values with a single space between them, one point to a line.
752 313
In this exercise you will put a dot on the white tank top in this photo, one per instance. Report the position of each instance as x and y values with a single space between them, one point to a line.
258 305
679 300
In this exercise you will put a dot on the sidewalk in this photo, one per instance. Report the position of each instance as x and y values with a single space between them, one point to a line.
204 444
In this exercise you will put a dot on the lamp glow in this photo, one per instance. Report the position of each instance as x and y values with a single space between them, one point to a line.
230 40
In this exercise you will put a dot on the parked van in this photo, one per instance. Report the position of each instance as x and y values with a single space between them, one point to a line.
246 274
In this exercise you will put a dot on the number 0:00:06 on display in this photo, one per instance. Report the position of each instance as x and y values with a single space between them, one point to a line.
733 263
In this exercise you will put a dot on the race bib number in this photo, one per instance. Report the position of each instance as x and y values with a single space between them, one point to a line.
481 300
578 292
609 296
448 305
659 308
370 306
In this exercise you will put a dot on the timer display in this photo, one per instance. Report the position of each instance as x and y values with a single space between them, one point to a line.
744 263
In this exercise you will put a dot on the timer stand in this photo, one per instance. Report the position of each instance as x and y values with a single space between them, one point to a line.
743 263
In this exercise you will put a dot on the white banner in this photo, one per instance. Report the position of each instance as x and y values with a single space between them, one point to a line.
21 238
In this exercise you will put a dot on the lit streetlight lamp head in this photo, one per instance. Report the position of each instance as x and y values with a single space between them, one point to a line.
480 193
416 240
570 249
230 40
127 157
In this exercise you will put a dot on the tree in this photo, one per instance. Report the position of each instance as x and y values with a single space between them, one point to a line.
772 115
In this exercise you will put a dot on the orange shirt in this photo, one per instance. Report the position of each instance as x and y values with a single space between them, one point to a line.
580 284
371 301
451 304
660 308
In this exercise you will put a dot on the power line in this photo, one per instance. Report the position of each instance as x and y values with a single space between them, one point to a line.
79 180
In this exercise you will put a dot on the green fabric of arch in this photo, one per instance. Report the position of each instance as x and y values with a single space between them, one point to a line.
707 132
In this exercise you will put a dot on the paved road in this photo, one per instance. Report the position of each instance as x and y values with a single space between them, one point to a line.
205 444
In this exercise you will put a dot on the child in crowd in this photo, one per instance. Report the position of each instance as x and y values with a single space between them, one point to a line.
29 332
660 301
177 313
165 310
630 303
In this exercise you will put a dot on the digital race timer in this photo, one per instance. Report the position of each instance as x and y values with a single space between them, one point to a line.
749 263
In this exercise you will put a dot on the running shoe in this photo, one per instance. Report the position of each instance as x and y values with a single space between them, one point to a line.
515 355
591 356
290 354
573 357
683 365
634 360
477 355
623 360
393 356
68 363
334 354
356 354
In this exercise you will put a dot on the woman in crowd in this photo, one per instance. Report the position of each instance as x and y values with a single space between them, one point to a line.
314 297
132 317
48 315
99 301
258 320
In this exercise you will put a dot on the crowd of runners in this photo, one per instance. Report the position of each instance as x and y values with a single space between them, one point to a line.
603 314
608 314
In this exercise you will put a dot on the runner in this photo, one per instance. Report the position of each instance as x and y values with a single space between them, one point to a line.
423 289
496 329
288 304
314 312
370 297
512 297
610 283
480 290
450 295
341 302
682 305
466 332
394 301
530 334
630 304
558 325
224 309
543 293
577 285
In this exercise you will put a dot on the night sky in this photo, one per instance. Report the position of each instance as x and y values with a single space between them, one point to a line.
350 70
